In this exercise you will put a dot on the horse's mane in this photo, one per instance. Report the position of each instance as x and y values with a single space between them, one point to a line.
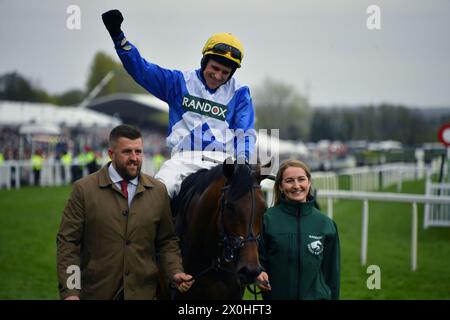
199 181
190 186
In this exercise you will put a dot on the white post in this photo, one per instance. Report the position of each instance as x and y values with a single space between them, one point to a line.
17 175
399 182
420 155
28 165
365 231
46 175
58 173
366 177
330 207
377 179
414 237
427 207
8 175
448 164
68 174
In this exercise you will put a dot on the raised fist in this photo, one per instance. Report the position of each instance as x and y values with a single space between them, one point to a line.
112 20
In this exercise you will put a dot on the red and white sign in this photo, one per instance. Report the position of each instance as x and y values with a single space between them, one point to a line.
444 134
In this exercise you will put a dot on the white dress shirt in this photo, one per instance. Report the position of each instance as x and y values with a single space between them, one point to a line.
116 178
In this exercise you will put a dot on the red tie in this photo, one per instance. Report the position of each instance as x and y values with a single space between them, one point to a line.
124 188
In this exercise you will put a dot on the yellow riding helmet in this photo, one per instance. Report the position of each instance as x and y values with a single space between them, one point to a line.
225 45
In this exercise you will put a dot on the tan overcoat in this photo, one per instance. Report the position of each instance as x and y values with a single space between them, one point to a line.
114 245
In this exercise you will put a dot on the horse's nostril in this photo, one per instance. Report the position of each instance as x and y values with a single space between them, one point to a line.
249 273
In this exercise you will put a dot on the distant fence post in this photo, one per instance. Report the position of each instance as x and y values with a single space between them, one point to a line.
17 175
414 237
5 175
365 231
330 207
426 215
399 182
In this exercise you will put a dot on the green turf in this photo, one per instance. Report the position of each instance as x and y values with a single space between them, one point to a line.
30 218
344 182
389 247
29 222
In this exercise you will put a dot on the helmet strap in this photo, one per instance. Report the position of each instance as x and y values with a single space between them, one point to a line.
204 62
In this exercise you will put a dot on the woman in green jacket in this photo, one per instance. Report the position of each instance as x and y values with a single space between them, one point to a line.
300 246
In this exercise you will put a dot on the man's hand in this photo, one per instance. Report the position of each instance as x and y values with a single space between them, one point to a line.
183 281
112 20
72 298
263 281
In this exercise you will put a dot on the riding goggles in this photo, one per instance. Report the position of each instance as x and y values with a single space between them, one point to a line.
223 49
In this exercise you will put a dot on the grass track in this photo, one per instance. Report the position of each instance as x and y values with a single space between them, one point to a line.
29 219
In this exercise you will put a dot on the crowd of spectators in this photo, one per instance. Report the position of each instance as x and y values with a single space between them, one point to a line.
15 146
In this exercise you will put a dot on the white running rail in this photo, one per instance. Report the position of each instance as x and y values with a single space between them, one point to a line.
414 199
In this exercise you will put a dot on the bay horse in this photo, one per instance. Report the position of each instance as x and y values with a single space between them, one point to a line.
219 216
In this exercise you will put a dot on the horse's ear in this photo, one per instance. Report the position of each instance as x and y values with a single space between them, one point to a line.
265 174
268 164
228 168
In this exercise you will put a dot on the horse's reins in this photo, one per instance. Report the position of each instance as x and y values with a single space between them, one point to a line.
236 242
230 243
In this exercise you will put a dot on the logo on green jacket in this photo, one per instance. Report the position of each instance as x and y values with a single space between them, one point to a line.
315 247
205 107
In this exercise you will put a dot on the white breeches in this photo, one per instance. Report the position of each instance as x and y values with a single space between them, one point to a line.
182 164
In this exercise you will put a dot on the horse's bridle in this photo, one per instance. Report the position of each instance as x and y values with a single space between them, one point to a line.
231 244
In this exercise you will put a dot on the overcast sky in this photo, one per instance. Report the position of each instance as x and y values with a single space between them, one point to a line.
322 47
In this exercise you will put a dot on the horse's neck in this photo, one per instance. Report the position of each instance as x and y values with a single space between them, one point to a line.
204 225
207 222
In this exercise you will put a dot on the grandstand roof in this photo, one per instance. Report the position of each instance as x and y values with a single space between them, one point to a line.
137 109
44 114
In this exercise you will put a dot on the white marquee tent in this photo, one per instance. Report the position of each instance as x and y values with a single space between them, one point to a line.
47 117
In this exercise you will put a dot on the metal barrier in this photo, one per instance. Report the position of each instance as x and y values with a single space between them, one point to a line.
414 199
437 215
15 173
375 178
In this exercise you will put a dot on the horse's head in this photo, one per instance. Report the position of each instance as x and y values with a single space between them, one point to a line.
241 210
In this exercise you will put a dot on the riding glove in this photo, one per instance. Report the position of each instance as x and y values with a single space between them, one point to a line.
112 20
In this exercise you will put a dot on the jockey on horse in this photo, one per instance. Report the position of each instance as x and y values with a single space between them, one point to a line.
210 112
